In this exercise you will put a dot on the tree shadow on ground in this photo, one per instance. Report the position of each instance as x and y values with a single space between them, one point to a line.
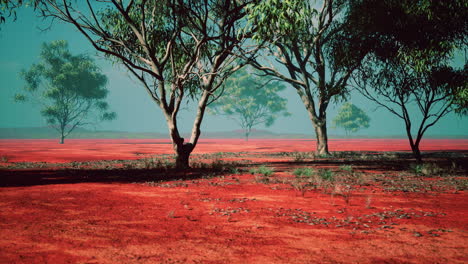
47 176
32 177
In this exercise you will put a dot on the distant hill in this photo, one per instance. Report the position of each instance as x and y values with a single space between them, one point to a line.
50 133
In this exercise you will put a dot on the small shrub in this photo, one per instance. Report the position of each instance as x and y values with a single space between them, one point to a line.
265 171
4 159
262 175
426 169
233 170
347 168
327 175
303 172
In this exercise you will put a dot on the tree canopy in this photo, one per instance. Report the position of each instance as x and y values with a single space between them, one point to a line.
408 69
178 50
250 100
69 88
299 46
351 118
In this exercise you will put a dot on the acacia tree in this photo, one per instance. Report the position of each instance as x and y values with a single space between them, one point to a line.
69 88
177 49
250 101
300 47
408 70
351 118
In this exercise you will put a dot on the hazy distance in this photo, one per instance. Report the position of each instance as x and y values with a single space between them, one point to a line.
20 43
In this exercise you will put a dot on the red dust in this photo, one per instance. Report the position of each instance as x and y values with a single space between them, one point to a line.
48 150
229 219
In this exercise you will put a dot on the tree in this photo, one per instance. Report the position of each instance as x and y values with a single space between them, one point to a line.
8 8
408 70
300 37
70 88
249 101
351 118
179 50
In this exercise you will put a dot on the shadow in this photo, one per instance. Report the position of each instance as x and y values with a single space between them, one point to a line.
32 177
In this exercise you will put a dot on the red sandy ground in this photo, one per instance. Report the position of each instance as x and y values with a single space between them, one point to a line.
222 220
47 150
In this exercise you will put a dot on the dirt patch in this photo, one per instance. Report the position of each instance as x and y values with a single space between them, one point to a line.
389 214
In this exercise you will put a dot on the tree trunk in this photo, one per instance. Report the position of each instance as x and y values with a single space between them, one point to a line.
183 157
322 138
416 152
62 139
414 144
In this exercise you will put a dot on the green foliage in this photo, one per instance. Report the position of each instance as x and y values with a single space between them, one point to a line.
303 172
348 168
460 90
69 88
301 37
262 170
409 62
250 100
425 169
327 175
8 8
351 118
282 20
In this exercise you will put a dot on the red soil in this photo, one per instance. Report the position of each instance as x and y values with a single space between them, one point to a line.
221 220
48 150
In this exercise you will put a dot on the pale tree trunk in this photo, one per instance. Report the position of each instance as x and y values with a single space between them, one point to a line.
247 133
184 149
319 122
322 138
181 148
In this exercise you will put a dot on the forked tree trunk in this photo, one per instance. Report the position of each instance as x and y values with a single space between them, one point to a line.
183 156
318 121
414 144
182 149
322 138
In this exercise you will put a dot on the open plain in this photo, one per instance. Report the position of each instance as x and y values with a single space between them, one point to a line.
261 201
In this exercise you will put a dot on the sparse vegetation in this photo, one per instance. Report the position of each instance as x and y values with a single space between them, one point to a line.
4 159
303 172
263 170
326 174
426 169
348 168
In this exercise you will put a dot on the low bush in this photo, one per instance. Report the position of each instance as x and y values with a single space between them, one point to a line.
303 172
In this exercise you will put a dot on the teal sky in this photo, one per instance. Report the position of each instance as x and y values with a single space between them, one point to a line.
20 43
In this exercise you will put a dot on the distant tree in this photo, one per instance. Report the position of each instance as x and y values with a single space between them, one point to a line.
250 101
299 39
351 118
408 70
70 88
178 50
